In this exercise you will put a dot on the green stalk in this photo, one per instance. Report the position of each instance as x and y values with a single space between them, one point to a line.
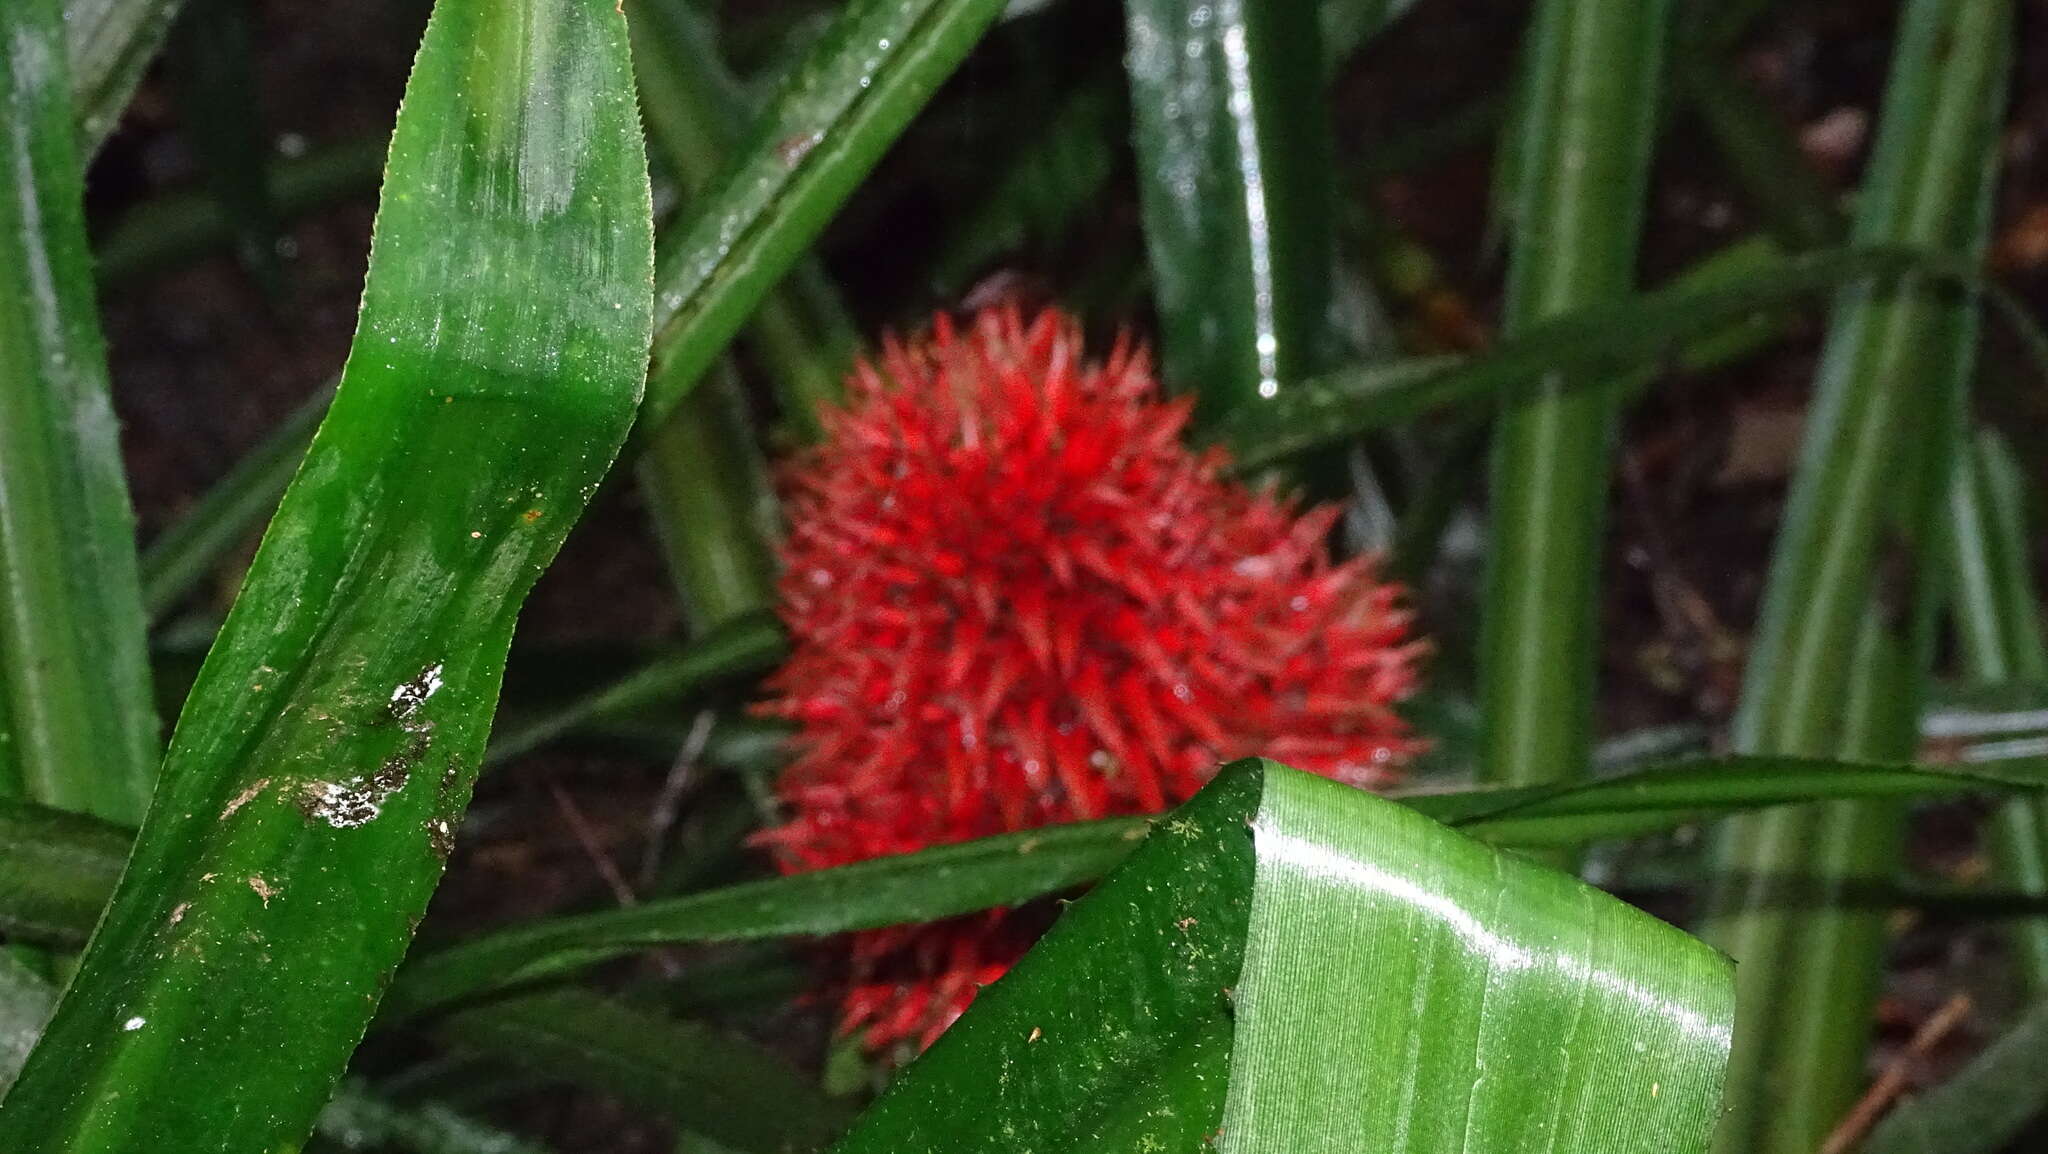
1581 153
334 733
714 512
1998 629
80 725
1843 635
1233 144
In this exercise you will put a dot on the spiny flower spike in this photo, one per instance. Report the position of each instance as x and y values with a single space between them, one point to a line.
1018 598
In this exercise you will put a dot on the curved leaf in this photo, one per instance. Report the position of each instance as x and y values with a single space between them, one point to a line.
336 727
1321 970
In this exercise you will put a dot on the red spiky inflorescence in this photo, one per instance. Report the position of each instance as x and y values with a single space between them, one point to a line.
1017 598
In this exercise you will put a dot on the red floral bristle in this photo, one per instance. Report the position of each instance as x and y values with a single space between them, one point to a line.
1018 598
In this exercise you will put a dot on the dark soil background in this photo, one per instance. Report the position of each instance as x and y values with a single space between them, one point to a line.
206 360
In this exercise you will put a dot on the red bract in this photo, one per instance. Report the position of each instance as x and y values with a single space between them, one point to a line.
1018 598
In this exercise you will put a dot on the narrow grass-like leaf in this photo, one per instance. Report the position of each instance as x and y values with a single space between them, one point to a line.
110 42
178 226
1014 868
1342 975
741 646
63 867
80 728
1843 634
872 71
1233 146
56 871
335 730
356 1120
719 1086
181 556
1593 344
212 65
696 112
1997 612
1759 150
1587 113
1981 1108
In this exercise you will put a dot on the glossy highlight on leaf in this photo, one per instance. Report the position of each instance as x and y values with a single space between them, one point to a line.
1323 970
335 731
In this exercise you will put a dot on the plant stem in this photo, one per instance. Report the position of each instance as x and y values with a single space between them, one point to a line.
1843 635
1582 151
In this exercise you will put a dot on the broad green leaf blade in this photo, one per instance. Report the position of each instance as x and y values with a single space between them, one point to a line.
706 1081
335 730
1344 975
1844 633
353 1120
871 72
1982 1107
110 43
1583 134
1233 144
78 727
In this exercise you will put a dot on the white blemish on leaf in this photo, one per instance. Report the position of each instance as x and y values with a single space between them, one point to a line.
344 804
409 696
244 798
133 1024
263 889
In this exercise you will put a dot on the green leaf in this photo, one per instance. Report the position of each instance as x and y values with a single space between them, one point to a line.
335 730
1981 1108
696 111
356 1120
1233 144
59 868
1014 868
174 227
110 43
1590 344
181 556
78 726
744 645
1998 619
1583 134
727 1089
1844 634
1343 975
871 72
25 1001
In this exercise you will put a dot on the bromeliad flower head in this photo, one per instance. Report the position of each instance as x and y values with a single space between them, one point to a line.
1017 598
